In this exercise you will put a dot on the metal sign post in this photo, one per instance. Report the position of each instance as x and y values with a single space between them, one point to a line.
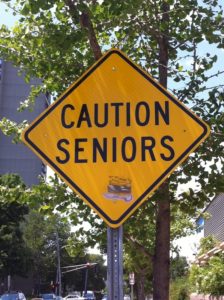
115 263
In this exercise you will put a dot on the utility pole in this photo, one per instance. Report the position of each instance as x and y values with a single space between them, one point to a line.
86 279
86 266
9 283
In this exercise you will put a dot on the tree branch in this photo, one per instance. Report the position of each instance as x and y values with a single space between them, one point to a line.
86 24
137 245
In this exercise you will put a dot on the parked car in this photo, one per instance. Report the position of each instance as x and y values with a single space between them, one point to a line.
89 295
13 296
21 296
104 297
73 297
10 296
48 296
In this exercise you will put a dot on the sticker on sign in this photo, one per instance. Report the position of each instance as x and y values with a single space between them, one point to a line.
114 136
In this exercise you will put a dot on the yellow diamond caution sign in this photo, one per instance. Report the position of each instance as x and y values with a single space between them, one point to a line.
114 136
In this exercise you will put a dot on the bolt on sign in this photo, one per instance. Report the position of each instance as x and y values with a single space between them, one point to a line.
114 136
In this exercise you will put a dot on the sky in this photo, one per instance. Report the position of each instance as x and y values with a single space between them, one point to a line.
189 244
6 17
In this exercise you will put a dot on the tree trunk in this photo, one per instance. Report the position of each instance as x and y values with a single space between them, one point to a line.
162 244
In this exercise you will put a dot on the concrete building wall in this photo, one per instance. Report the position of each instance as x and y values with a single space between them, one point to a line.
17 158
215 224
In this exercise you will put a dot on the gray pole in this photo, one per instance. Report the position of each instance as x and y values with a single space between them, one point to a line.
59 264
86 280
132 293
115 263
9 283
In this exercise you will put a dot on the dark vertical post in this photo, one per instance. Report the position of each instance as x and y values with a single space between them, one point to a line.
115 263
9 283
132 292
59 264
86 280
